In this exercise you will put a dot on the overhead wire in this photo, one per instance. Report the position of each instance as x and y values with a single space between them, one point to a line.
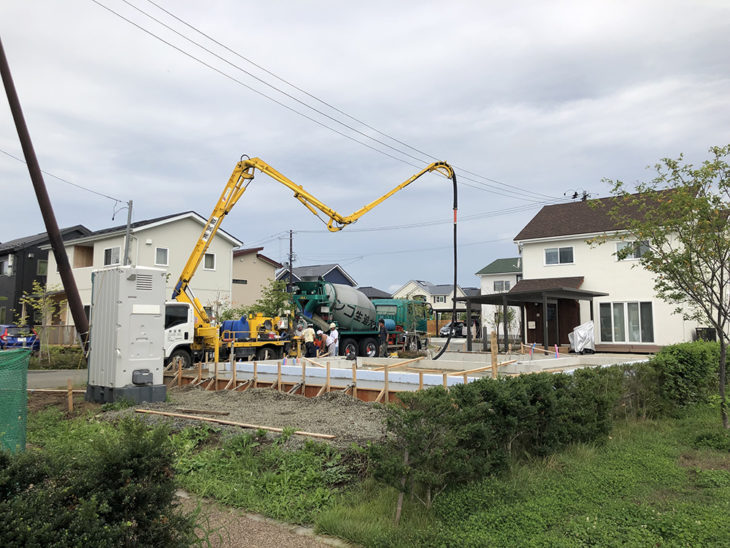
319 100
320 123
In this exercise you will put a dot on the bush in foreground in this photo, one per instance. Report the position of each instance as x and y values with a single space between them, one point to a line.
120 494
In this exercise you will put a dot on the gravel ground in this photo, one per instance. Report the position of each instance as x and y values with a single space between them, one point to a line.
350 420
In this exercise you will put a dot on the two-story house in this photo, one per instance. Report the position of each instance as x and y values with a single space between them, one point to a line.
163 242
568 280
252 271
22 262
439 296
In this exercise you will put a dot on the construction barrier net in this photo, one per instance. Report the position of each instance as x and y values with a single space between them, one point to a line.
13 399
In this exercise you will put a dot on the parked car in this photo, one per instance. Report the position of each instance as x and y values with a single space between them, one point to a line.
14 336
444 331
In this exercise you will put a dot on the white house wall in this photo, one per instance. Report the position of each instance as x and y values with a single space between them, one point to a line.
486 287
624 281
178 237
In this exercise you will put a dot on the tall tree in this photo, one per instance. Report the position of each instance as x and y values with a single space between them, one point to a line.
678 222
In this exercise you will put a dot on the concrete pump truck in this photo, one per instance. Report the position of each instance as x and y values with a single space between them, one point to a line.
190 334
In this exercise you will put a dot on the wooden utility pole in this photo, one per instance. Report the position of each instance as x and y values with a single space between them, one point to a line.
44 202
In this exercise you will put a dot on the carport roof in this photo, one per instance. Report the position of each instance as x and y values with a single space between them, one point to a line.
534 290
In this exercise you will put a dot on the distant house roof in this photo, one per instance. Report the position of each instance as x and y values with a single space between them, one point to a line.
511 265
374 293
471 291
40 238
585 217
151 223
314 272
433 289
546 284
251 250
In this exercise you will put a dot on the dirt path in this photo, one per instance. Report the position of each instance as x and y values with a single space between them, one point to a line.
233 528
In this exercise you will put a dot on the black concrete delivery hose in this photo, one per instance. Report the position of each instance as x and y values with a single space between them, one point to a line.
453 311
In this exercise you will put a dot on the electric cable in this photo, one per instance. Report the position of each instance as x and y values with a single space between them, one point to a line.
318 122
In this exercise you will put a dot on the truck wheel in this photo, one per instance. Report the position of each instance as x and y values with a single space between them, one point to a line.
349 346
369 348
181 354
265 353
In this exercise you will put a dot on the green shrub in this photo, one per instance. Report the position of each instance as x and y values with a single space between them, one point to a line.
59 357
687 372
121 493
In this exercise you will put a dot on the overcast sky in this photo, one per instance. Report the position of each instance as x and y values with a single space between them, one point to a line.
530 100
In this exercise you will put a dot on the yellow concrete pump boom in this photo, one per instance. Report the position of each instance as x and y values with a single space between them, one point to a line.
242 175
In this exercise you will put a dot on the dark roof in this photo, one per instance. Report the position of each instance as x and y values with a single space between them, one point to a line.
250 250
471 291
314 272
585 217
512 265
140 224
374 293
37 239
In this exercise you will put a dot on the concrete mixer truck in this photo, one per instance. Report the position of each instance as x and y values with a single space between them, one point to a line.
357 317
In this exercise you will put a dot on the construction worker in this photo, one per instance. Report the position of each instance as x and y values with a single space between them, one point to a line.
383 335
308 336
333 341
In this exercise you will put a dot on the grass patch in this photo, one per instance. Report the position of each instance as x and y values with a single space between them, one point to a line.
58 357
635 490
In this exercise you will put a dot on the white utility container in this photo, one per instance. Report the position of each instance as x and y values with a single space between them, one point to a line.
126 334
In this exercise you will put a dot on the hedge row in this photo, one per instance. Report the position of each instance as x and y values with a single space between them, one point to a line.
439 438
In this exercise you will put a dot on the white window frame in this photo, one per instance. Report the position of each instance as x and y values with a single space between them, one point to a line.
439 298
558 249
209 255
639 247
505 286
167 256
624 310
111 249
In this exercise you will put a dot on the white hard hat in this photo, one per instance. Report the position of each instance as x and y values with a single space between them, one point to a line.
333 326
319 332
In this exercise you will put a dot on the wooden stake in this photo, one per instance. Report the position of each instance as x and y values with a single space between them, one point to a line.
327 384
255 375
354 379
446 381
466 379
70 396
386 386
278 376
179 372
233 423
493 345
200 372
420 380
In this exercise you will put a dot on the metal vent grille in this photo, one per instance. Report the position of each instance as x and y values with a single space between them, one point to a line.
144 282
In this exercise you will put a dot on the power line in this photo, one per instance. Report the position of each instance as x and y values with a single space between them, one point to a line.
65 180
514 187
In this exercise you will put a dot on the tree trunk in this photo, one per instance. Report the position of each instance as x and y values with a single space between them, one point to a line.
399 506
723 380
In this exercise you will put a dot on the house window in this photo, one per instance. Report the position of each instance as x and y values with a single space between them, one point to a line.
161 256
42 268
239 281
4 267
439 298
627 322
209 261
559 255
111 256
631 250
501 286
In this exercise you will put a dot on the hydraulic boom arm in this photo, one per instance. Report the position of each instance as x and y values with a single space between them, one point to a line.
242 175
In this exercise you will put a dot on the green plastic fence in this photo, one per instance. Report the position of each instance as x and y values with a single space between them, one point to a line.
13 399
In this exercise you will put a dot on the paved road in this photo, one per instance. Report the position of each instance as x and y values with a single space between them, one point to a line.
56 378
